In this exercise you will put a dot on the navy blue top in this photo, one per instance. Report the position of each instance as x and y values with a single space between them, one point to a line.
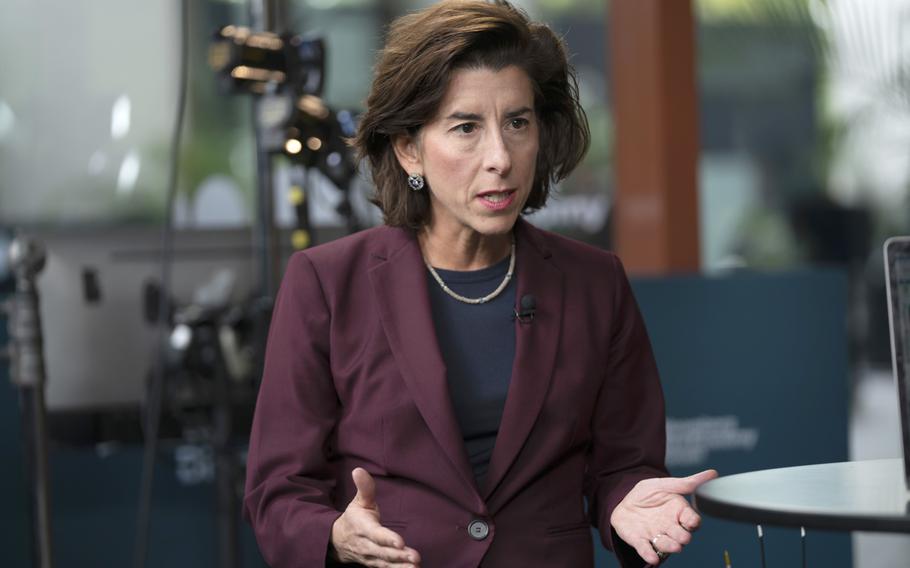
477 342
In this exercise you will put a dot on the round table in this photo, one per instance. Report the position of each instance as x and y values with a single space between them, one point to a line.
850 496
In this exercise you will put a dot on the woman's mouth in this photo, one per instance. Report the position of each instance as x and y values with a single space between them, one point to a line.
497 200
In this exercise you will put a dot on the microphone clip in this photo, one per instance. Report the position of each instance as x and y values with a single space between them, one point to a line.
527 309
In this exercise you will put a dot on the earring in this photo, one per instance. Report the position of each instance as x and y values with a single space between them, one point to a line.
415 182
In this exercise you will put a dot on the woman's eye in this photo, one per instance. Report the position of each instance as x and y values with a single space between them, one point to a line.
466 128
518 123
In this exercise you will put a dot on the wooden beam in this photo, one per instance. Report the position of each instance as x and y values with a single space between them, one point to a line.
655 109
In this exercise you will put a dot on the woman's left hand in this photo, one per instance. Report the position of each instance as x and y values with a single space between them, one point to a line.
654 515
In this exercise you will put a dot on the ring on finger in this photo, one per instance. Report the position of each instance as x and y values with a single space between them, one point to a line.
661 555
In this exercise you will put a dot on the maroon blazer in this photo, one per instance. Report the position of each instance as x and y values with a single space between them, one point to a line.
354 377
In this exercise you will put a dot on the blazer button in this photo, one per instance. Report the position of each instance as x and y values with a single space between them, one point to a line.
478 529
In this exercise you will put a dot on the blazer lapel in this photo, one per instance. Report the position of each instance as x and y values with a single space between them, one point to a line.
536 344
400 288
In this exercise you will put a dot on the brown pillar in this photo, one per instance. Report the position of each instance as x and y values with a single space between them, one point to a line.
655 109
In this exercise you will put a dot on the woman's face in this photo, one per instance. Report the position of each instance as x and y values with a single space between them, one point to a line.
478 155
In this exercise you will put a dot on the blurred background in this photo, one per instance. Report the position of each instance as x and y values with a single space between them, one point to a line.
803 118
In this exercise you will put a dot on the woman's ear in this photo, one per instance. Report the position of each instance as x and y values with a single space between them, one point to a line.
408 153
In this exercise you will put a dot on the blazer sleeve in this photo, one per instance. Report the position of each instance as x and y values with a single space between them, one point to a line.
290 481
629 425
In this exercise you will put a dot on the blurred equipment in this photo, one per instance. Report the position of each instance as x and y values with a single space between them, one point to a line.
27 372
209 380
259 62
5 269
157 335
286 74
100 328
897 278
209 350
98 333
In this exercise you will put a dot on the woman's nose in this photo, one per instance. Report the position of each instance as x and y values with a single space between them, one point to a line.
497 156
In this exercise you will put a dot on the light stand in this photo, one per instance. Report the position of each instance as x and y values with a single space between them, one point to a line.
27 372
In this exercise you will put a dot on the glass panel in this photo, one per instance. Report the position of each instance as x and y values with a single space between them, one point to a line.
805 109
87 107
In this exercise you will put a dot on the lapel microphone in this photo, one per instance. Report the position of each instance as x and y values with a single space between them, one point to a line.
526 310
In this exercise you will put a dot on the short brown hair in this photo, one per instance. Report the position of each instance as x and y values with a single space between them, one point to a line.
413 71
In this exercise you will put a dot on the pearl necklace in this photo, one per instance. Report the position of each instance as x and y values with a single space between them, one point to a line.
488 297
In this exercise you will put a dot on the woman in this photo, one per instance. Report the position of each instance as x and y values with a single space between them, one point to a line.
447 390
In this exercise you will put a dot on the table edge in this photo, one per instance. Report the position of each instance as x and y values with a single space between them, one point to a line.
807 519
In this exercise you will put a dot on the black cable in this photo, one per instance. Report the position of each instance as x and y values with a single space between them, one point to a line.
156 388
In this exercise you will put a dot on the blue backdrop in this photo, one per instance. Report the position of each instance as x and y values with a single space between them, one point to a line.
755 372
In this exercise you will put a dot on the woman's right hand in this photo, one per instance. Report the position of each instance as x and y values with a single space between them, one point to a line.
357 535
